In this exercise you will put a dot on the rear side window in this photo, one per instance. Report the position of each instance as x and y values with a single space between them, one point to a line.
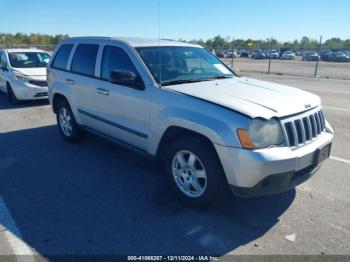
84 59
61 58
114 58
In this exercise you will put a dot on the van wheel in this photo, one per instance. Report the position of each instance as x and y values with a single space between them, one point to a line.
11 95
68 127
195 172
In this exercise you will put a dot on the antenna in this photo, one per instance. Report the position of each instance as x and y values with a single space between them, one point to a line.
159 48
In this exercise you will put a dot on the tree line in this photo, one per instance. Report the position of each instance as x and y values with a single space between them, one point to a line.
305 43
217 42
30 39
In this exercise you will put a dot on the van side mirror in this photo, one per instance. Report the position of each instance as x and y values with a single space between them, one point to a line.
126 78
3 66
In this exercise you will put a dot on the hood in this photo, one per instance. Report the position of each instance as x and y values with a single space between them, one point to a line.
251 97
33 71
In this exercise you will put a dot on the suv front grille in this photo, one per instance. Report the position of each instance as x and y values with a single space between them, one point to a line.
302 128
43 94
38 82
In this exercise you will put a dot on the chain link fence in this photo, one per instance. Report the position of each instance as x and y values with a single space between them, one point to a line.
268 59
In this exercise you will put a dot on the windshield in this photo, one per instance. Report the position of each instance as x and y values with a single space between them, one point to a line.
176 65
28 59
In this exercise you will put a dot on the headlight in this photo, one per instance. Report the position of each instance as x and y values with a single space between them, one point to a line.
21 77
261 134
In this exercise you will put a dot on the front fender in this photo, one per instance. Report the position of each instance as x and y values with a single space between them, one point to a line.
215 127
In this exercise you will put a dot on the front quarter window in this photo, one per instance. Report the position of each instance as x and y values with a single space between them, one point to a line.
174 65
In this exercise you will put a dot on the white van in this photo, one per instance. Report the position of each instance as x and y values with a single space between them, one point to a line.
23 74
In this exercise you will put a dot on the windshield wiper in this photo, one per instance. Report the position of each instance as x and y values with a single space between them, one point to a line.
221 77
183 81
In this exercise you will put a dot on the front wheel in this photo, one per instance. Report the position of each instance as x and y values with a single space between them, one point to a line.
11 95
68 127
195 172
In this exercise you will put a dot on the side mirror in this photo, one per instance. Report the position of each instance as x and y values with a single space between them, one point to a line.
3 66
126 78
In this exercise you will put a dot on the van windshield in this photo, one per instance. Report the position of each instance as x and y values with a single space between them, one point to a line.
28 59
178 65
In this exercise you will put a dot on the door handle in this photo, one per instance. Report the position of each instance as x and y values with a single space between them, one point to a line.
70 82
102 91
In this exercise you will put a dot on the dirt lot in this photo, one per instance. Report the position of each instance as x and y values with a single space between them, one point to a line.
96 198
292 68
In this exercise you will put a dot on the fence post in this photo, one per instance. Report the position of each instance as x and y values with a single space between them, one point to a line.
268 71
232 52
318 57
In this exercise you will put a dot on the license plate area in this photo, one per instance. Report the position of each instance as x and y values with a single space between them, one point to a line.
322 154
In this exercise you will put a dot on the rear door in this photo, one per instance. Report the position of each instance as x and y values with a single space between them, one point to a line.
123 111
81 78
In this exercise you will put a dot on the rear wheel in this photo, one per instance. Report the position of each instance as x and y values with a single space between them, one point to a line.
68 127
11 95
195 172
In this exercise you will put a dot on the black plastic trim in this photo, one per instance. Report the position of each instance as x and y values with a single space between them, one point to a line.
132 131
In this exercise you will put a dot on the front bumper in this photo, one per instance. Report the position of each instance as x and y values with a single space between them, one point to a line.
270 170
27 91
276 183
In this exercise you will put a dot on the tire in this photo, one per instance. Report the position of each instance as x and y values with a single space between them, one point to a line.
67 125
200 184
11 95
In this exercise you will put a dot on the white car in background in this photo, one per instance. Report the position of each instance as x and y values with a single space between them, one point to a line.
274 54
23 74
288 55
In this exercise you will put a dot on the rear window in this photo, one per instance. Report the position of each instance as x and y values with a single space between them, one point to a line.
61 58
84 60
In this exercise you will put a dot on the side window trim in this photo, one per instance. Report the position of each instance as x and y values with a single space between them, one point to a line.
70 58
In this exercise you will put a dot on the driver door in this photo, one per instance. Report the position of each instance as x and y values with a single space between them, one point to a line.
122 111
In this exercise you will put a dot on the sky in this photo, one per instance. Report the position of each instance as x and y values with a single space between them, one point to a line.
179 19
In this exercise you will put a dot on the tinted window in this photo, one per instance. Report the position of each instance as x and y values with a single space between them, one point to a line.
62 56
84 60
114 58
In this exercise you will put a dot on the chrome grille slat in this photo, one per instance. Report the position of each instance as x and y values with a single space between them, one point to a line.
318 123
303 128
295 134
313 125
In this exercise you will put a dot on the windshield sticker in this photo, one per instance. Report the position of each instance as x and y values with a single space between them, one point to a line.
222 69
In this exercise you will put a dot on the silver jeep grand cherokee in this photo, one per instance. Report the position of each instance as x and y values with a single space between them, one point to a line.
179 103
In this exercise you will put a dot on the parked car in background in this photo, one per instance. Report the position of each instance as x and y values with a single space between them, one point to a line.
212 129
212 51
244 53
23 74
288 55
310 56
274 54
338 56
221 53
254 52
231 53
260 55
282 50
324 54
